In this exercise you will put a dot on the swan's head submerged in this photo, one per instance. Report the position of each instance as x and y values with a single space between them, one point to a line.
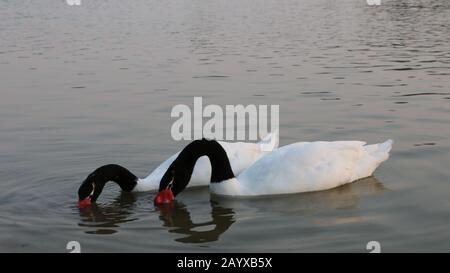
88 191
92 186
169 188
164 197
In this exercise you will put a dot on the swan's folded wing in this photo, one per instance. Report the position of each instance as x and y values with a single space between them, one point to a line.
303 167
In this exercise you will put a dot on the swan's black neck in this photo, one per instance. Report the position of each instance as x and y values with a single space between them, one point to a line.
98 178
180 171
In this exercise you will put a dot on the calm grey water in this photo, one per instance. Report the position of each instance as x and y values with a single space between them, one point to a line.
83 86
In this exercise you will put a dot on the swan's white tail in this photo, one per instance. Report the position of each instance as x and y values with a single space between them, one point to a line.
374 155
270 142
380 151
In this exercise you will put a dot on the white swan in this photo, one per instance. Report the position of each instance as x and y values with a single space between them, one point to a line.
294 168
241 155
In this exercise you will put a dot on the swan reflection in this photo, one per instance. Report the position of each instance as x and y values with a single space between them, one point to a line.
178 219
223 212
106 219
344 197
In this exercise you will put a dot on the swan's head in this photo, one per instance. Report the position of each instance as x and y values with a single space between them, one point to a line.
89 191
172 183
164 197
85 194
92 186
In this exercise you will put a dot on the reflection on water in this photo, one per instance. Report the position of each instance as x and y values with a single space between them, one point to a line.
105 219
344 197
178 219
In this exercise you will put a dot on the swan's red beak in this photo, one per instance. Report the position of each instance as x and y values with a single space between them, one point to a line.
85 202
164 197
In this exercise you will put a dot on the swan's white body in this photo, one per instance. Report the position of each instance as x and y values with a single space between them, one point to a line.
241 156
305 167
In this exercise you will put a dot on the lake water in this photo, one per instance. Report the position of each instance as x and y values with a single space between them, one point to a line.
82 86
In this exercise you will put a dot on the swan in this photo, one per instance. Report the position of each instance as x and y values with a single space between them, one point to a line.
294 168
240 155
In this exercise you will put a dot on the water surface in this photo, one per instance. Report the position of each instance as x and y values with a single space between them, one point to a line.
83 86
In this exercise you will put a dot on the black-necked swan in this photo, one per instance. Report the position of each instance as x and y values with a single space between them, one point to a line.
241 155
294 168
